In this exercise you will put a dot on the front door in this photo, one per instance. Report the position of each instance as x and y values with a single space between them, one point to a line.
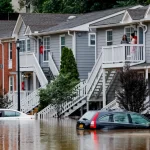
140 35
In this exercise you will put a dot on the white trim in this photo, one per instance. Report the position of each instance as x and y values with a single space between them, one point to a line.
139 26
74 44
126 18
44 47
9 51
63 35
106 37
96 47
30 45
89 39
11 77
27 31
147 14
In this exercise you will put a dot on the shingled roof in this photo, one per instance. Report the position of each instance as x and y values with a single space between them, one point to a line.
83 19
137 14
6 28
38 21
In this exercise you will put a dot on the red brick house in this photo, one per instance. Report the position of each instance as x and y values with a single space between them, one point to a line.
7 57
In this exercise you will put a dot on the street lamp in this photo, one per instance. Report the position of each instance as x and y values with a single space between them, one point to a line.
18 65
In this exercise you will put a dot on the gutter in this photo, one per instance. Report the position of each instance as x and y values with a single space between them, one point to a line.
3 66
73 42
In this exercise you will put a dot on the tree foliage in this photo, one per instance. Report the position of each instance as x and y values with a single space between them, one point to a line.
79 6
56 93
134 90
6 6
68 64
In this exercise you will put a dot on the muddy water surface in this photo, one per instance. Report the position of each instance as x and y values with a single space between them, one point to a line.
62 135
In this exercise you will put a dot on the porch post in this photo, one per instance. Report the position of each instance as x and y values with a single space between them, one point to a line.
104 89
87 105
34 81
146 74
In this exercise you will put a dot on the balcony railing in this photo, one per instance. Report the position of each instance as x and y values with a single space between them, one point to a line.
132 53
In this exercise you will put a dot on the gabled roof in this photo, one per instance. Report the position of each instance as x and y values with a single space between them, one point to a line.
137 14
38 21
112 20
83 19
6 28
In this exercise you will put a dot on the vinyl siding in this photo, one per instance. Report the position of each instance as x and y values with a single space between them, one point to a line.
147 44
22 36
85 55
55 48
101 37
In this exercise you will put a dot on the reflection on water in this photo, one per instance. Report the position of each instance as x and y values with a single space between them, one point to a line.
62 135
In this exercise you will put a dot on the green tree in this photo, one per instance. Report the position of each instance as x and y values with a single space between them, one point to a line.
6 6
68 64
134 90
56 93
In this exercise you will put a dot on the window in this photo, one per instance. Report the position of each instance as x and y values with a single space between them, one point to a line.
104 119
8 113
138 119
109 38
92 39
46 43
11 84
120 118
62 41
10 51
88 115
22 46
128 31
28 45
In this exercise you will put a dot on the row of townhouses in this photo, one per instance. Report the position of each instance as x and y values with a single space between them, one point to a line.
95 41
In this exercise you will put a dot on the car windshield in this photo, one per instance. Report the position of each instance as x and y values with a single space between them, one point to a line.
88 115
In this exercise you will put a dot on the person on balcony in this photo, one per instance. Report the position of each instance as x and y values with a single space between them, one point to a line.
124 40
133 48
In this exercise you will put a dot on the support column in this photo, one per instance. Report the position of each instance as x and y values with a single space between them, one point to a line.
34 81
87 106
81 113
104 89
146 74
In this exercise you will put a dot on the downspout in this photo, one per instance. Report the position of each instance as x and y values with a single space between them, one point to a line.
145 26
2 66
73 42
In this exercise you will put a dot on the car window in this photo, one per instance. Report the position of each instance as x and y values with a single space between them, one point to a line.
104 118
88 115
9 113
138 119
1 113
120 118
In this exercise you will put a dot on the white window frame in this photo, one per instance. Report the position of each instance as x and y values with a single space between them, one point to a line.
28 39
63 35
10 51
90 39
44 46
106 37
126 32
25 45
11 78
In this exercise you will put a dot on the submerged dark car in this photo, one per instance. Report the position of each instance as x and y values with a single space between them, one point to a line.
113 119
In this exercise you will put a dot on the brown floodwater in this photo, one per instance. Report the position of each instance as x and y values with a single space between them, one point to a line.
62 135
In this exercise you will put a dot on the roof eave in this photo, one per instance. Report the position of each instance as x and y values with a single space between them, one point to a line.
113 25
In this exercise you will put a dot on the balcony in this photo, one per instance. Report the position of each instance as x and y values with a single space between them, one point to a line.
118 55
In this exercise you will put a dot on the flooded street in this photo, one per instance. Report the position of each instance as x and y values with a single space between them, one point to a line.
62 135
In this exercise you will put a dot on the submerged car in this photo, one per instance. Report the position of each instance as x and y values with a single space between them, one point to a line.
10 114
113 119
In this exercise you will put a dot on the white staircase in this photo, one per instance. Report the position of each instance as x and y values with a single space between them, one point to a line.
93 86
32 100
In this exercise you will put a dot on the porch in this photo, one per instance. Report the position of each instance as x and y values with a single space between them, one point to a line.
118 55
